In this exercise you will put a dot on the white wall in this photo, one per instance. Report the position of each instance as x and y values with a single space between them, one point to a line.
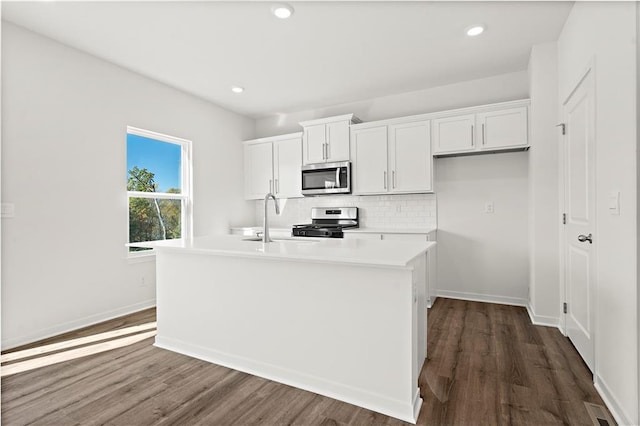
64 119
605 34
500 88
415 211
496 263
544 213
483 256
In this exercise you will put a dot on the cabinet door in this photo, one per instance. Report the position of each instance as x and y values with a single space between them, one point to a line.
338 141
314 144
370 161
454 134
410 159
286 171
258 170
503 129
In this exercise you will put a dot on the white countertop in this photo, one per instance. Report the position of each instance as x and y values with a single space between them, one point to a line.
390 230
325 250
251 230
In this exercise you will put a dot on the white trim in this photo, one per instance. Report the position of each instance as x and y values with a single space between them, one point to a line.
442 114
345 117
619 415
157 136
157 195
186 188
273 138
352 395
76 324
133 257
487 298
541 319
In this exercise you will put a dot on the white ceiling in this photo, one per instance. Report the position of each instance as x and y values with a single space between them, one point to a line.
327 53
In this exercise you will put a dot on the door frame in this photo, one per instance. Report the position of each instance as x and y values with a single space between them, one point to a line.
589 69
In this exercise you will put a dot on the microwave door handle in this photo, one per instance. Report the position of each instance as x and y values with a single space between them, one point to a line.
337 177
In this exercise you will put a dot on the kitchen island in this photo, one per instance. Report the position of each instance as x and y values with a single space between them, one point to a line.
342 318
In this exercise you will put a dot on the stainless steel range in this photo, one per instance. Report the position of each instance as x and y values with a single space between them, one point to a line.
328 222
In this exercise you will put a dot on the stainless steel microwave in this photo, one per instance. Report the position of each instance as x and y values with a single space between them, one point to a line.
326 178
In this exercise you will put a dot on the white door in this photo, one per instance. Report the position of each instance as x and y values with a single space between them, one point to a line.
410 157
579 239
370 161
287 162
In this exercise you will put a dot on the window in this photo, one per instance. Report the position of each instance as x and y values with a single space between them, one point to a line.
158 187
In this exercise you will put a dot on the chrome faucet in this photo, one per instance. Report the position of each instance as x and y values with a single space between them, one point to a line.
265 237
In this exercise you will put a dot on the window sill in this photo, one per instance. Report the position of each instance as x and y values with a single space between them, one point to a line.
141 257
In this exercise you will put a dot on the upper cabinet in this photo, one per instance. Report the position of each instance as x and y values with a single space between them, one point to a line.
327 140
391 158
489 128
273 165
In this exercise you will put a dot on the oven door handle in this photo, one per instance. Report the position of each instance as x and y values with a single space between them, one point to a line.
338 177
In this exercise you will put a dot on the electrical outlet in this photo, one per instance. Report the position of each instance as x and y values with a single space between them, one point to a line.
488 207
7 210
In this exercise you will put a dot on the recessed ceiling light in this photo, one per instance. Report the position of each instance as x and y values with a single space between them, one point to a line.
237 89
475 30
282 10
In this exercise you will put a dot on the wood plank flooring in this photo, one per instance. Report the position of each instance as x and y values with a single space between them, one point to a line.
486 365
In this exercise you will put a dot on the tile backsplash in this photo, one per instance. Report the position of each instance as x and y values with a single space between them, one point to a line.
376 211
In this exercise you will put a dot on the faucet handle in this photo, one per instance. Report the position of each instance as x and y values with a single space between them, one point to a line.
259 233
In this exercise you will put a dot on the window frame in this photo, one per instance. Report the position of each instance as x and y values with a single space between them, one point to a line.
185 196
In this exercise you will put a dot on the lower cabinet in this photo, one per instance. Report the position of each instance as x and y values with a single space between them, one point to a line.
431 254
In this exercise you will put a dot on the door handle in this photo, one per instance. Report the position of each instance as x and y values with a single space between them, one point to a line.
483 134
393 178
385 179
277 185
583 238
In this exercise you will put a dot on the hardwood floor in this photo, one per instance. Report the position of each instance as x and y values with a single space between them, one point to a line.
486 365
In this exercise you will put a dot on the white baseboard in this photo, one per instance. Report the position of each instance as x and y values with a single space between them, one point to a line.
541 319
619 415
76 324
403 410
488 298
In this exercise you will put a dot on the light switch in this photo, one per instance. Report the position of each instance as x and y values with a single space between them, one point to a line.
614 203
488 207
7 210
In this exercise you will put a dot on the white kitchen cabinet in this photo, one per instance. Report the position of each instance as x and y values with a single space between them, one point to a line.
273 165
483 129
369 155
505 128
410 159
327 140
258 170
454 134
287 161
391 159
